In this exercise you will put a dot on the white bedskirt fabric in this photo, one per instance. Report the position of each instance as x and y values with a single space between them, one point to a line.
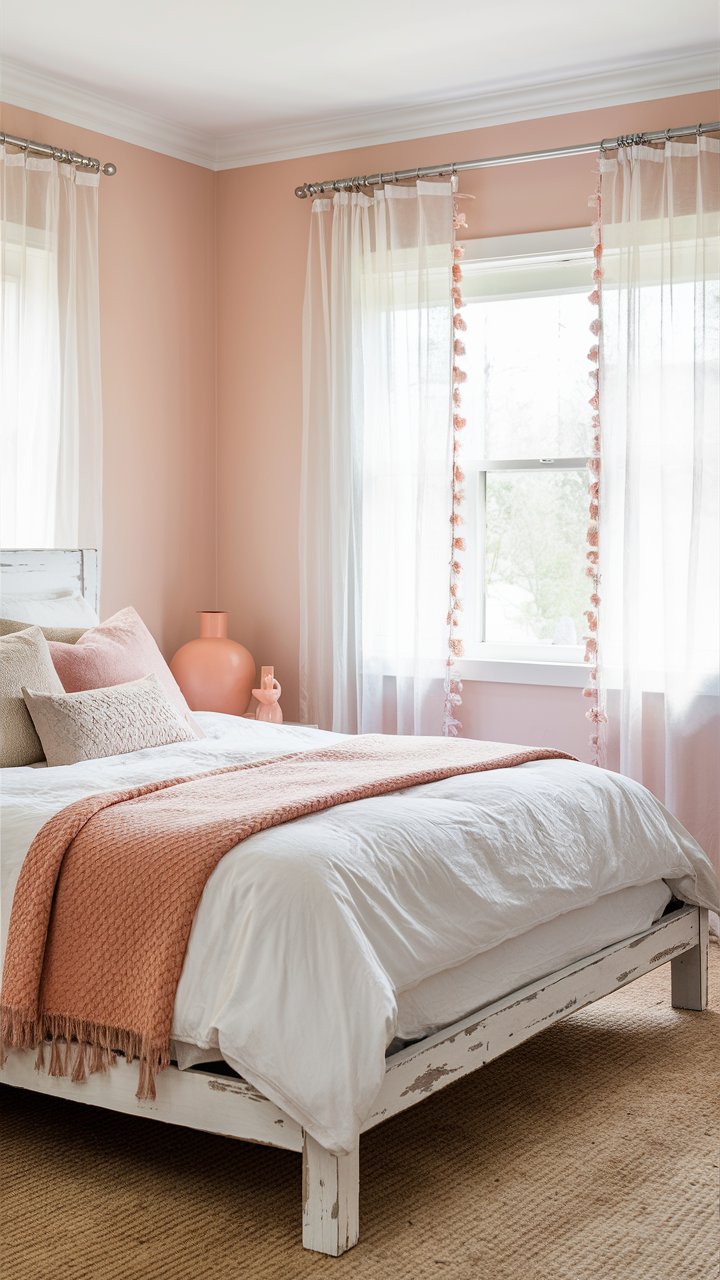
306 933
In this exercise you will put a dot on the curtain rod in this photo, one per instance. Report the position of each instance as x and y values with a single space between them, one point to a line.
60 154
446 170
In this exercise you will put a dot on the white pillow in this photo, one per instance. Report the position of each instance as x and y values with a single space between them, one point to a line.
105 722
71 610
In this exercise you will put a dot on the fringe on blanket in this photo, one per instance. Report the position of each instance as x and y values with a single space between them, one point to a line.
79 1048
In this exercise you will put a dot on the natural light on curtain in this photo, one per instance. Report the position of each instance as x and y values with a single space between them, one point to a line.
659 522
377 460
50 400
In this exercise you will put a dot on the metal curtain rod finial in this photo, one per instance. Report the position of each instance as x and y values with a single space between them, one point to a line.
61 154
492 162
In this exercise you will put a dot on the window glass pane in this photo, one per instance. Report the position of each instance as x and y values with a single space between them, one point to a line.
528 389
536 587
29 413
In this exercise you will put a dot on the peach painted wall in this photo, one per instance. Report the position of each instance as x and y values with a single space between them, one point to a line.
202 279
262 234
157 282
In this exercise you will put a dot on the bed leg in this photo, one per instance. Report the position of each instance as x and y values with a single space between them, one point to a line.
689 971
330 1199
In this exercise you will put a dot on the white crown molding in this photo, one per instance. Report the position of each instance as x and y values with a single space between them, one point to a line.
49 95
692 73
22 86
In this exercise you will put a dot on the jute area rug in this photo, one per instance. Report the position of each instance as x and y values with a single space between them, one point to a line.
590 1153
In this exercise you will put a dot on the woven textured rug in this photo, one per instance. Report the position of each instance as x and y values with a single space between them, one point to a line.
590 1153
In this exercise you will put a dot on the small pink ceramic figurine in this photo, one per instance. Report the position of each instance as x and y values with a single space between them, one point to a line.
267 695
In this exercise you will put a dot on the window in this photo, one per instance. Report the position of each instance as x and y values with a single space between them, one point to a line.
525 449
50 393
29 388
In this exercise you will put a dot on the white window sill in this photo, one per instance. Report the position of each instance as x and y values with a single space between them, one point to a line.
573 675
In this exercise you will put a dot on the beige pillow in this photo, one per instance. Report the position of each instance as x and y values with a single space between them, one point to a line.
106 722
24 660
66 635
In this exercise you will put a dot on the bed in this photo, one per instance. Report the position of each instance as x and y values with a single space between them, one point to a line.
428 1005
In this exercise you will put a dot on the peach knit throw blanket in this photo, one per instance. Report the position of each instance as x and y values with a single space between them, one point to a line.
108 890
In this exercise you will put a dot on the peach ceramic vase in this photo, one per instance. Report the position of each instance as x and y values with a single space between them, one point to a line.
214 673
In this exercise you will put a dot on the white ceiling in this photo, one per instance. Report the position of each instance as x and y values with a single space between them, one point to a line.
232 81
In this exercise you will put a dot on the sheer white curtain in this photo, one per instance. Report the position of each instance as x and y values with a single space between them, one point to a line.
50 397
659 627
377 460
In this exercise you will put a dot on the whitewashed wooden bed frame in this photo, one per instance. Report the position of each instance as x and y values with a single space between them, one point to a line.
225 1104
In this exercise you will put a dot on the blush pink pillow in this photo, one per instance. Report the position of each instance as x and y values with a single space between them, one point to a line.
117 651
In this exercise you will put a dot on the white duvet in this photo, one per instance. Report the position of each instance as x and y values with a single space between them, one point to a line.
306 933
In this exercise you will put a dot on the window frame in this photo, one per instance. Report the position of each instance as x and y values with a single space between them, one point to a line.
518 663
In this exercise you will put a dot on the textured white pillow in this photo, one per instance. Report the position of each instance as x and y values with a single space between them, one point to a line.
106 722
70 610
24 660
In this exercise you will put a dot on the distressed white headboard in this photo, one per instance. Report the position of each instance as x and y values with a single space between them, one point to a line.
51 573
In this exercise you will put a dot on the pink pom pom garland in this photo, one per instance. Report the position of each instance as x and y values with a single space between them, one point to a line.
596 713
453 686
